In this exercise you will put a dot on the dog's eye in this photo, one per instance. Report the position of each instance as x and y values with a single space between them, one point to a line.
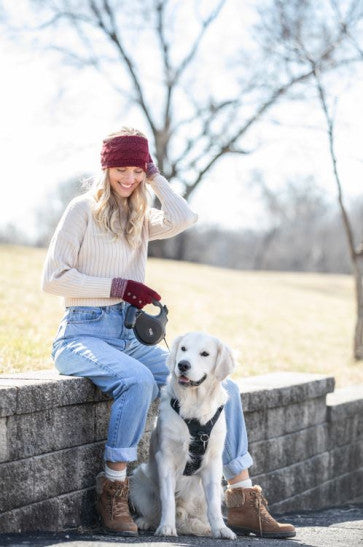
204 354
183 348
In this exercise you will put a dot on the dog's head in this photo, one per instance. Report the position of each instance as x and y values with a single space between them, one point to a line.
196 356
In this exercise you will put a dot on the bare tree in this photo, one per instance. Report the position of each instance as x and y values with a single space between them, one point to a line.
141 49
192 128
355 251
298 44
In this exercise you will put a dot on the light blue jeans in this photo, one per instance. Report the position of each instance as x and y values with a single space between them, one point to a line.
93 342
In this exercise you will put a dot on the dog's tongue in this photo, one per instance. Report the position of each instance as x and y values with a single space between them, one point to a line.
184 380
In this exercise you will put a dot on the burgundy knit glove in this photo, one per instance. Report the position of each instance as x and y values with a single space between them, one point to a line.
133 292
151 168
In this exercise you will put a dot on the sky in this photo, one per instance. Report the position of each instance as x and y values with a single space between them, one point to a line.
53 120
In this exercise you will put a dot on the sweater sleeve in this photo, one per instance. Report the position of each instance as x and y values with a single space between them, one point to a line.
175 215
60 274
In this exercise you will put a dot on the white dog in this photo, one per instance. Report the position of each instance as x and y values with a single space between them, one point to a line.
179 489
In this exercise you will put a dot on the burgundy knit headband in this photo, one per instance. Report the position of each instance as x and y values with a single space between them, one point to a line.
125 151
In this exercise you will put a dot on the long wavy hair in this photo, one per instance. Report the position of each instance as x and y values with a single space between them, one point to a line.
125 221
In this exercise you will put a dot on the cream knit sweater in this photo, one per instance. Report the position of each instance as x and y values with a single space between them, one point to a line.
83 259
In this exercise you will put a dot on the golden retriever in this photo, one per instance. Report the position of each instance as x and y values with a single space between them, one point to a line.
179 489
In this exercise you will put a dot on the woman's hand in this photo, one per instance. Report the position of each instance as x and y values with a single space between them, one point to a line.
133 292
151 170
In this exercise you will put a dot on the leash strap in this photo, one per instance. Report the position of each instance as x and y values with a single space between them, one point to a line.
200 436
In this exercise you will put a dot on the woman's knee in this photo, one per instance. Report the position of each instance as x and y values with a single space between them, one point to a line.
232 388
145 380
141 383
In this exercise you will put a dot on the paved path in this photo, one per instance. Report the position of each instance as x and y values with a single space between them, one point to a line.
336 527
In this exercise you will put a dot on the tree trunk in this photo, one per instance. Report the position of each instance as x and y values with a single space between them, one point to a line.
358 337
181 246
259 261
175 248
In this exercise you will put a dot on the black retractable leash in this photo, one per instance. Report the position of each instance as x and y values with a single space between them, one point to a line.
148 329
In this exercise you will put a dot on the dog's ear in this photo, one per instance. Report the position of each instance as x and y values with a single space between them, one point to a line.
225 362
174 348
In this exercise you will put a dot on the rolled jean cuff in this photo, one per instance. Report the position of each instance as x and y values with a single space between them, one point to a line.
120 454
237 465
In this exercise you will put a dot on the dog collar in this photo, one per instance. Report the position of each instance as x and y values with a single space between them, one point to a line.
200 436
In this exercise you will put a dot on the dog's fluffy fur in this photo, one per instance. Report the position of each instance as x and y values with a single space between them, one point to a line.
165 499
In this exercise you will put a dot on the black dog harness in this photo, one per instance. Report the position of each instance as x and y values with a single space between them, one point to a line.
200 436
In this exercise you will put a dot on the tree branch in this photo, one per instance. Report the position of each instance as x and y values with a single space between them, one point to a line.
112 34
207 114
165 48
330 129
226 147
193 50
280 92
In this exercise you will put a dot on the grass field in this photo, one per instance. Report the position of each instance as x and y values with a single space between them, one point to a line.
273 321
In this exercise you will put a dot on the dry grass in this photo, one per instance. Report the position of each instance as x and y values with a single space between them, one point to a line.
274 321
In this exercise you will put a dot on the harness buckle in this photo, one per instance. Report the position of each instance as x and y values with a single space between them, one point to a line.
204 438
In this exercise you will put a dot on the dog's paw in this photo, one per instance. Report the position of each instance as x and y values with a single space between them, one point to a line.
199 528
193 526
224 532
142 523
166 530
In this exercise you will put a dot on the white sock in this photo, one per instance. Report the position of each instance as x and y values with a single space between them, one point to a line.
113 475
247 483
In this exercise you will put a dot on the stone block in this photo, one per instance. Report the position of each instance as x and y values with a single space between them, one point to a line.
35 517
338 491
8 397
286 450
27 435
4 445
65 512
273 422
345 459
24 393
295 479
41 477
102 417
282 388
61 392
345 402
344 431
49 430
77 509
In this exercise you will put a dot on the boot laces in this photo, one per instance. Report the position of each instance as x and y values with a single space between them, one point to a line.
260 503
118 498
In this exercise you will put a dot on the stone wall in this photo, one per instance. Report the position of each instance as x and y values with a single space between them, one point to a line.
307 446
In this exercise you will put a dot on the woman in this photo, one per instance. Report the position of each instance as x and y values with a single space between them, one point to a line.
96 261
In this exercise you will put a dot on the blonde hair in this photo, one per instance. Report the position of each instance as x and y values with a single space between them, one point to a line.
128 220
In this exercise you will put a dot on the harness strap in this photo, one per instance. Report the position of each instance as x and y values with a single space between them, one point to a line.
200 436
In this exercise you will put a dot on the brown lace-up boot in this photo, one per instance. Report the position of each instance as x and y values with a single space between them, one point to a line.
247 512
113 507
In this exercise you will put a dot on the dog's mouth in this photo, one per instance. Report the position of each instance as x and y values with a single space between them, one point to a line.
185 381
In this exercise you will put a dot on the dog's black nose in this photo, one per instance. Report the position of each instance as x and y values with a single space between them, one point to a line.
183 366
